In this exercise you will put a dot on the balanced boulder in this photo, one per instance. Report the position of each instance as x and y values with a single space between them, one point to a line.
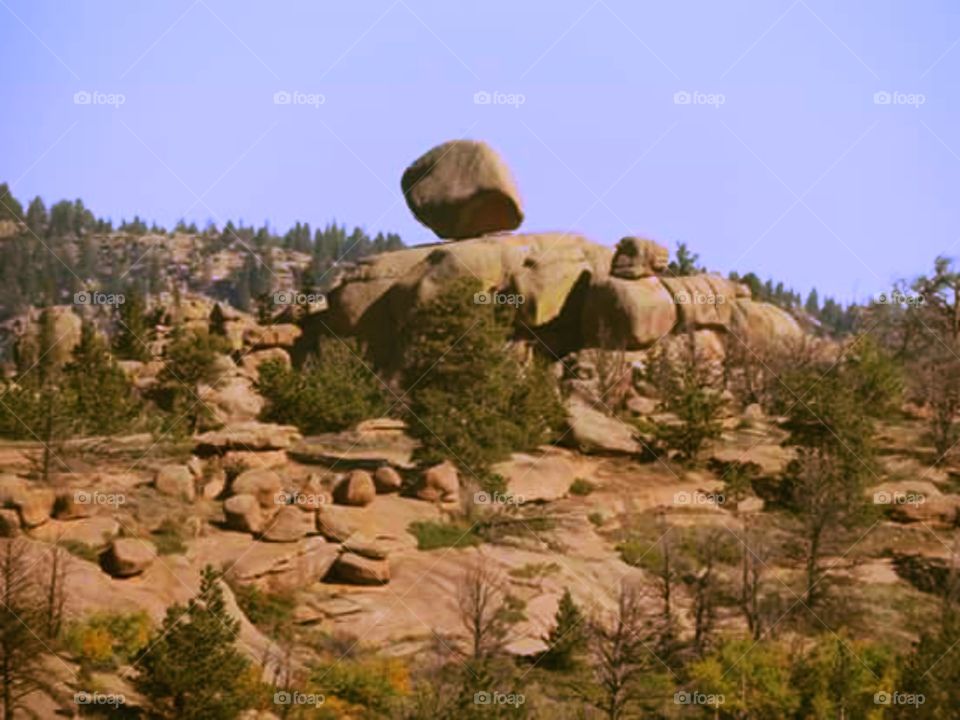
355 569
462 189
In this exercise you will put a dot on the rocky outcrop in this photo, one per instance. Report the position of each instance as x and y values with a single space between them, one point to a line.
368 446
254 436
760 324
627 314
263 484
637 258
462 189
289 525
703 301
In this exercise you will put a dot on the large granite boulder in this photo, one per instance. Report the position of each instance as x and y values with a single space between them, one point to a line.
593 431
703 301
462 189
627 314
546 275
762 324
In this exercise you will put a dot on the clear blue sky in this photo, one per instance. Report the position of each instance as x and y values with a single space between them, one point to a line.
799 174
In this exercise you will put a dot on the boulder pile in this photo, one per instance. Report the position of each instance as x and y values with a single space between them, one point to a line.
575 293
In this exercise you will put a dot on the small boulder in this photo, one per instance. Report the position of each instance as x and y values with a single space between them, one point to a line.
129 556
243 513
36 506
440 483
176 481
637 258
462 189
356 489
387 480
355 569
332 524
73 505
265 485
288 525
366 546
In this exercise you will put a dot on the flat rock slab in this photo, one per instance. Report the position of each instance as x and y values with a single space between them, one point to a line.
357 450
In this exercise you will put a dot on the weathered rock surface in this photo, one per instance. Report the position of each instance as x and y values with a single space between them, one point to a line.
243 513
365 446
762 324
333 524
264 484
637 258
176 481
703 301
462 189
441 483
285 566
593 431
387 479
248 436
129 556
355 569
289 524
356 489
627 314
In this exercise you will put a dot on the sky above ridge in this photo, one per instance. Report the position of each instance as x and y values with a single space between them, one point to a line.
809 141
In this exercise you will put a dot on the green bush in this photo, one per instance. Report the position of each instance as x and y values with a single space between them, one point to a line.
331 392
106 640
582 487
267 610
433 535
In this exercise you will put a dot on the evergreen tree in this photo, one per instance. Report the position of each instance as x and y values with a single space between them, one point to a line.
686 262
567 638
102 399
192 669
470 399
133 331
191 359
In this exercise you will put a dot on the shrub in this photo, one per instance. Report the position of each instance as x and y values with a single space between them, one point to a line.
582 487
433 535
331 392
106 640
267 610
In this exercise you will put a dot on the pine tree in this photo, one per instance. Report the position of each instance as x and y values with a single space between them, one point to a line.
133 330
470 399
21 650
192 669
102 399
567 638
